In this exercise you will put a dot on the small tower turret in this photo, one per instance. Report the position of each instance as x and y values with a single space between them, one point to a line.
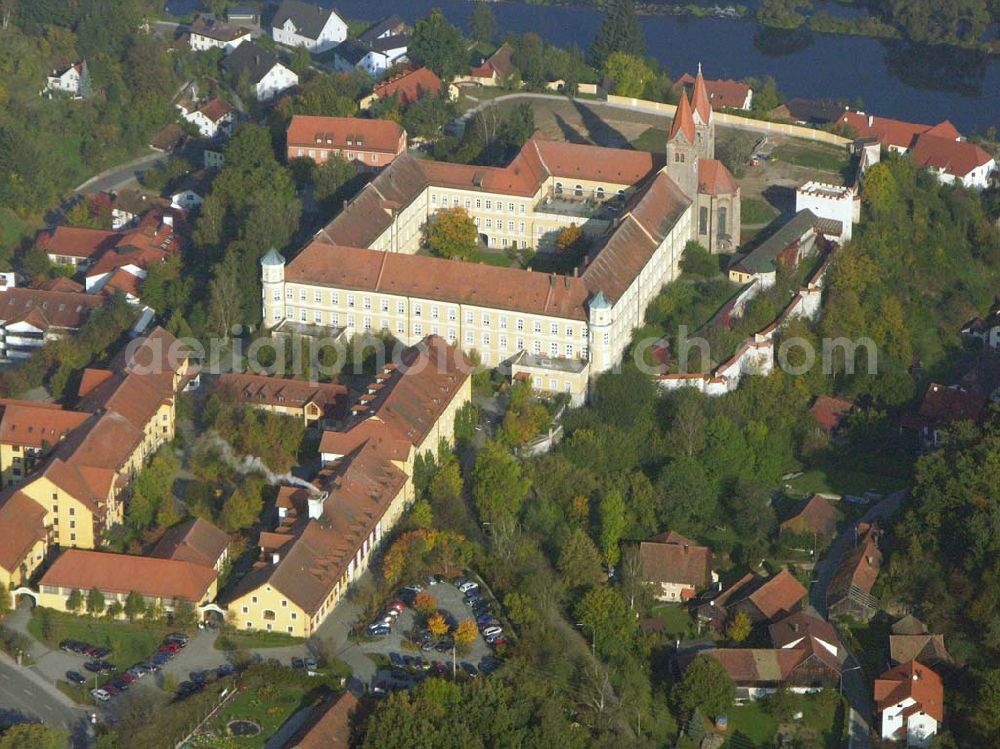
272 276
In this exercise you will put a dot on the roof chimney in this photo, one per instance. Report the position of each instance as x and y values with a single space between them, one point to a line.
316 505
275 557
871 120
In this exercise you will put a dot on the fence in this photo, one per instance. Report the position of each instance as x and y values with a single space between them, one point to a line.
727 119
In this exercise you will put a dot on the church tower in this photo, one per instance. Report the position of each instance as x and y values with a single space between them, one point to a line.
682 149
704 126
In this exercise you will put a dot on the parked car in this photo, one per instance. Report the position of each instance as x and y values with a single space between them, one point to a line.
120 684
76 677
226 669
100 653
101 695
311 664
298 663
396 606
111 689
468 585
378 629
431 580
444 646
186 688
428 646
171 648
489 664
378 688
497 642
485 620
179 637
492 631
439 668
159 660
471 670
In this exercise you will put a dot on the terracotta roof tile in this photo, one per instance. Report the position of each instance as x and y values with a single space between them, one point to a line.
500 64
329 726
84 569
829 412
714 178
894 133
944 404
44 309
683 121
950 156
78 242
306 131
284 391
818 516
33 424
678 563
911 680
196 541
215 108
22 525
409 86
699 99
721 93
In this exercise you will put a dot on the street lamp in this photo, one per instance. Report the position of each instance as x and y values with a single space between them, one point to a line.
593 635
842 672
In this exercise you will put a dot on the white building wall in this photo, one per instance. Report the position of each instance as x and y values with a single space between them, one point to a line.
278 79
333 33
834 202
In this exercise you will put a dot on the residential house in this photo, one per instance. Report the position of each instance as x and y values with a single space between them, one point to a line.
408 86
128 206
166 583
807 667
214 118
261 69
849 593
312 402
191 191
724 94
380 47
299 24
941 407
196 541
328 726
369 144
893 135
762 599
495 69
207 33
74 81
29 430
795 629
910 640
829 412
798 239
676 567
814 112
168 139
817 518
24 539
75 246
30 317
326 534
986 329
909 699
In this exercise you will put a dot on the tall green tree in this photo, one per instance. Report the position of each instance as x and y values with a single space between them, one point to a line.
439 45
498 484
620 31
705 685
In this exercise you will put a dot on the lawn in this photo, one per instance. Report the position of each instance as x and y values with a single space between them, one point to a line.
813 156
756 211
677 622
821 726
239 640
130 643
13 230
491 257
832 479
654 140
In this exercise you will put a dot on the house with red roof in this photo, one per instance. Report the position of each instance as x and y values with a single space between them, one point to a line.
724 94
495 69
942 406
408 86
369 144
213 118
675 567
830 412
910 702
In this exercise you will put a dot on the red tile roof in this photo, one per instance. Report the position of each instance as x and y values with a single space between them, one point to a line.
32 424
894 133
77 242
83 569
683 121
950 156
714 178
779 594
44 309
289 392
859 568
196 541
721 93
215 109
699 98
915 681
943 404
329 727
499 65
818 516
409 86
829 412
22 525
795 627
676 562
307 131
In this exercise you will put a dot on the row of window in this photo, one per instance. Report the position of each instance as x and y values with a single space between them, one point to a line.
361 156
499 225
485 319
479 203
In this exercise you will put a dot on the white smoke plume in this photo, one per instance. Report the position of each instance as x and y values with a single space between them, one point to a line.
245 464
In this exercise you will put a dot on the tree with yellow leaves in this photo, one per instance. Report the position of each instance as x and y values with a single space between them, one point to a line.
466 632
452 233
437 625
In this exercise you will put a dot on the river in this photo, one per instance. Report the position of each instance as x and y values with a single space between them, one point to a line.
890 78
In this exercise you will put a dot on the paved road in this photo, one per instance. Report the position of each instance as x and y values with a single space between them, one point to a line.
855 686
27 697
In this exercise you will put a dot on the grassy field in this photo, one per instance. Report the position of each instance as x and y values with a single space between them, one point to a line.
756 211
677 621
821 727
269 705
654 140
254 640
813 156
837 480
130 643
491 257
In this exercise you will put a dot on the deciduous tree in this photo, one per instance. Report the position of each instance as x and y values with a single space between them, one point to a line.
705 685
452 233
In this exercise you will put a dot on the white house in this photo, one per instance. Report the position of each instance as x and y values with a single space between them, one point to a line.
207 33
192 191
836 202
213 118
910 702
955 161
299 24
987 329
74 81
262 70
378 48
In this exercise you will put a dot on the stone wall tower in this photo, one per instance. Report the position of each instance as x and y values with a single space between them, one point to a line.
272 277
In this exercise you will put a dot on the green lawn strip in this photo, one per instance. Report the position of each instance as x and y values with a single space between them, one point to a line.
654 140
499 259
812 156
255 640
130 643
676 620
756 211
832 479
821 725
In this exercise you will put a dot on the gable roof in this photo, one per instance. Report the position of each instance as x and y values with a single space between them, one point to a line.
683 121
83 569
761 259
911 680
778 594
769 667
344 132
859 568
829 412
896 133
954 157
290 392
328 726
909 625
818 516
794 627
714 178
76 241
196 541
250 60
309 20
409 86
391 25
721 93
33 424
499 64
675 562
22 525
215 108
926 648
47 309
944 404
209 27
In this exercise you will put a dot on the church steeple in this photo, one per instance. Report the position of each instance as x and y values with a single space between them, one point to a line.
682 149
700 100
683 120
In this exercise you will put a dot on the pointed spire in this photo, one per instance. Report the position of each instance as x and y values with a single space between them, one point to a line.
683 120
699 98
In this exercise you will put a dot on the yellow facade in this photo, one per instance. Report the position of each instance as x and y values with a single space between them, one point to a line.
56 598
267 609
22 573
70 520
16 462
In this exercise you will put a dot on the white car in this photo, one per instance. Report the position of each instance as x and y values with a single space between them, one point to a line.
492 631
100 695
467 586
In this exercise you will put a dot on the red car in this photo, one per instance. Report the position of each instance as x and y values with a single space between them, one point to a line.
127 678
396 606
172 648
